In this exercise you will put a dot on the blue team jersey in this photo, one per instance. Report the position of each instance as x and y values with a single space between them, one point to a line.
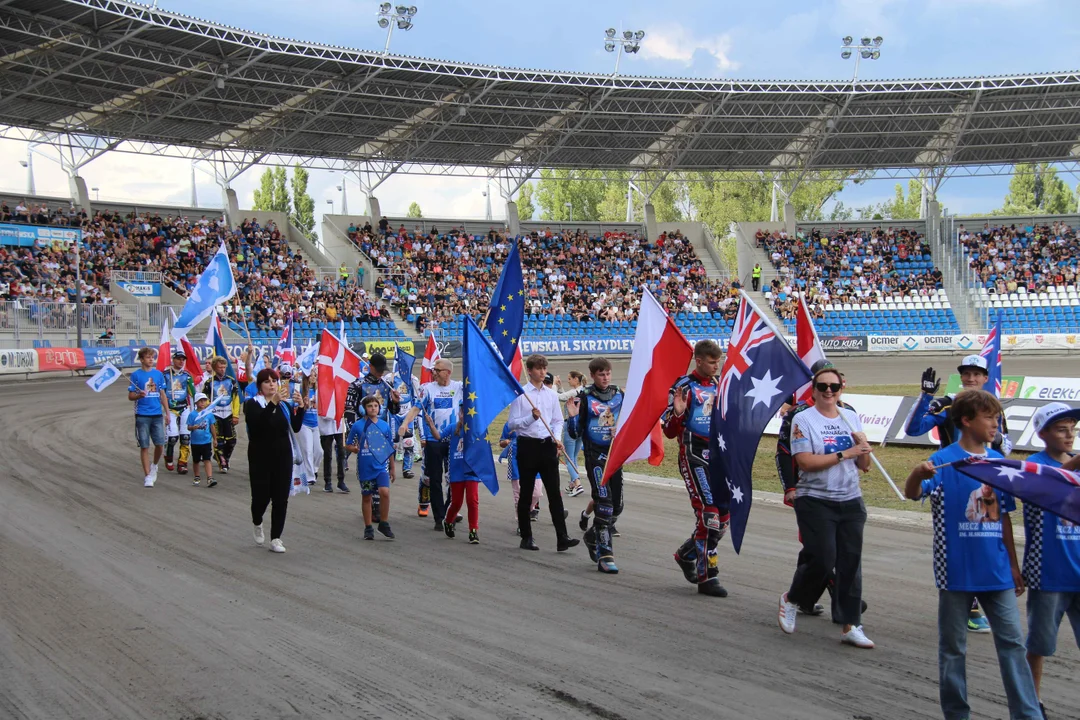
599 418
442 403
1052 546
177 384
458 470
380 390
151 381
969 552
367 467
200 427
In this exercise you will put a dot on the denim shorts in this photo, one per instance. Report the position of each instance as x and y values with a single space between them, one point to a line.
149 429
1045 611
370 487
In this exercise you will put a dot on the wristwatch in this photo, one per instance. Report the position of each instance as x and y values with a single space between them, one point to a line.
839 457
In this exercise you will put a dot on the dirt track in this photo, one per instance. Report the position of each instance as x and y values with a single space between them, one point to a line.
122 602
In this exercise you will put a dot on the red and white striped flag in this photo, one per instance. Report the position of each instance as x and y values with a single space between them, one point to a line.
164 353
807 345
661 356
427 366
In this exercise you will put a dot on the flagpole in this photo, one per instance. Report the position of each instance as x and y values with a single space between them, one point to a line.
783 341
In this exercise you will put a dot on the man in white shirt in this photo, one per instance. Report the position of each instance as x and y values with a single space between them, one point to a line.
537 419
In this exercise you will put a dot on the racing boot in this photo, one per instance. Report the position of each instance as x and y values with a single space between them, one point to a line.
590 543
712 588
181 468
686 558
607 565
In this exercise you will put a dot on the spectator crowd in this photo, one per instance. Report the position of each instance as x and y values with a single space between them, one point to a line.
1034 257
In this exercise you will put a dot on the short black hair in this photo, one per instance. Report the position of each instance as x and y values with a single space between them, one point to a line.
377 362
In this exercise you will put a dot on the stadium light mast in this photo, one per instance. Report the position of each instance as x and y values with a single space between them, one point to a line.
866 49
391 16
28 163
331 204
629 42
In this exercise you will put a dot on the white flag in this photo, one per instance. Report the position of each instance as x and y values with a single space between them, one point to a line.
103 378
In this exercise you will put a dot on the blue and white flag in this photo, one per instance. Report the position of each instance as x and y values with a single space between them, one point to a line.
103 378
197 416
380 449
214 287
403 365
306 362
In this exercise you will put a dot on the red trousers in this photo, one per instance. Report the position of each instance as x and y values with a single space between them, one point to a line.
468 492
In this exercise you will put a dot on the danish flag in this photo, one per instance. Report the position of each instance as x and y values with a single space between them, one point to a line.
427 366
338 367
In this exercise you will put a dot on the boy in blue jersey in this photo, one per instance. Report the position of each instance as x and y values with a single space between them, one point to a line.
147 391
372 474
974 557
1052 548
203 436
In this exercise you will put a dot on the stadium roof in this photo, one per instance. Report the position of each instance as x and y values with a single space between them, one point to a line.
122 76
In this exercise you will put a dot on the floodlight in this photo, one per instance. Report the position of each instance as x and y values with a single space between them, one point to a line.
403 24
610 32
875 55
878 40
412 9
628 34
384 23
23 163
329 202
864 41
384 8
609 46
401 10
865 54
220 83
639 35
633 48
847 40
846 54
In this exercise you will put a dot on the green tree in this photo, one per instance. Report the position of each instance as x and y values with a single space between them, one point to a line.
414 211
304 217
272 193
563 195
525 207
1035 189
903 207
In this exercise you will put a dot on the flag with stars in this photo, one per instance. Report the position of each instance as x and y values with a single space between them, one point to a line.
487 388
506 314
1053 489
759 373
992 352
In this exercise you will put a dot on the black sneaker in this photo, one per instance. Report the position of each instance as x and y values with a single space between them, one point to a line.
369 532
815 610
474 537
712 588
607 565
528 544
384 528
534 514
407 474
342 487
458 518
583 521
689 569
328 488
615 531
448 528
211 482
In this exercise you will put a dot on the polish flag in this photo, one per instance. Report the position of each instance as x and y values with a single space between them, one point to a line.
516 366
427 366
338 368
661 356
807 345
164 352
191 361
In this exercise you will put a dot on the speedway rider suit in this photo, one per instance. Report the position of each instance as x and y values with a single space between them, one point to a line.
595 425
218 387
697 555
410 393
931 412
179 390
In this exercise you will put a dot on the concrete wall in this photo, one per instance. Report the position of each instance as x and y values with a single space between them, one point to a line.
748 252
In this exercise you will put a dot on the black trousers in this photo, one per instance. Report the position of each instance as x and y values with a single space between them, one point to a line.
832 535
536 457
436 464
267 488
755 283
331 445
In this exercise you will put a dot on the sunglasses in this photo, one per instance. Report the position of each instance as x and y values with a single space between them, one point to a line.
828 387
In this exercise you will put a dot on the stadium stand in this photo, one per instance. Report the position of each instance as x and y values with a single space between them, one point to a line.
881 281
1026 274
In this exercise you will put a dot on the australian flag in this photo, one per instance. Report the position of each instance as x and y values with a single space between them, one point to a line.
992 352
760 372
506 316
1053 489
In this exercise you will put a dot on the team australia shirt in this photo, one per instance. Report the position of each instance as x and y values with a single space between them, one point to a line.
150 381
812 432
599 417
442 403
1052 547
367 467
969 552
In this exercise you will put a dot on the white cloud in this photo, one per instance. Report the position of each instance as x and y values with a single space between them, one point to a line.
678 44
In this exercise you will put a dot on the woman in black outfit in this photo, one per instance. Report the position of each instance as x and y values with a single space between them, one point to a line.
270 421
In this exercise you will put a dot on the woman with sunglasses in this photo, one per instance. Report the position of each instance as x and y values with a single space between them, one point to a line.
829 448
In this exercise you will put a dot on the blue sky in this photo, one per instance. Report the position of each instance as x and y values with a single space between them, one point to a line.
775 39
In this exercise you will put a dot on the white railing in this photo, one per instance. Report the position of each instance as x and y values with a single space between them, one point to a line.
135 276
27 320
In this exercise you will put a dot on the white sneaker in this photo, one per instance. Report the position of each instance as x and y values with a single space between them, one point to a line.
277 546
855 636
578 490
153 472
148 481
787 614
260 538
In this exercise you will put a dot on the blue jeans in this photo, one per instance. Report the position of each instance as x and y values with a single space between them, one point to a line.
1045 611
149 429
573 449
1001 610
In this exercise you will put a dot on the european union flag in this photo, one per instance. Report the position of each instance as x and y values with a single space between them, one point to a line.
403 365
376 441
1053 489
760 372
506 314
488 387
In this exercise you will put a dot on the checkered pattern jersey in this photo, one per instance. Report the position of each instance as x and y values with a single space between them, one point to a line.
1033 545
937 512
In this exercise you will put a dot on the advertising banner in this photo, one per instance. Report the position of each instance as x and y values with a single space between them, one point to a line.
596 346
37 235
1051 389
844 343
876 412
60 359
96 357
18 361
1011 385
386 347
141 289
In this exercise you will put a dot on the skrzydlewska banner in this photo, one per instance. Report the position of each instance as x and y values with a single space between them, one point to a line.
13 234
